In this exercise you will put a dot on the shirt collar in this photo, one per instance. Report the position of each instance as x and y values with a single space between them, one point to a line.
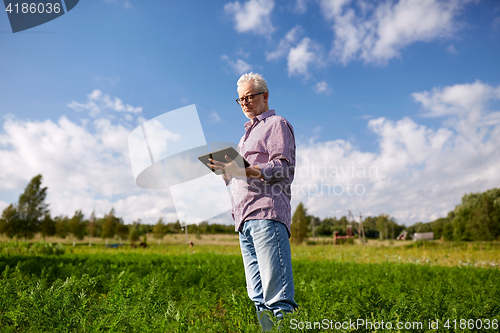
260 117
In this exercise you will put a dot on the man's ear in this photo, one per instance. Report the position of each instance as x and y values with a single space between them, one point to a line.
266 96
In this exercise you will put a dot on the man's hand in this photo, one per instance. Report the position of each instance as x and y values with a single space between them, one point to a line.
231 168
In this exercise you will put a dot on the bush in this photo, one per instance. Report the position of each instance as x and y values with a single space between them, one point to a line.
59 249
35 248
41 248
348 241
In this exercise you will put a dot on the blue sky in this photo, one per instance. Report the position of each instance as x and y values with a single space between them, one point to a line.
409 88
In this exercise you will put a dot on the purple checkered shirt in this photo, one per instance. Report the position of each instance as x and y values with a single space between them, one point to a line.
268 143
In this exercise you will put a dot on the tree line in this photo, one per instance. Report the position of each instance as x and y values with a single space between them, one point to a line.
305 225
476 218
31 215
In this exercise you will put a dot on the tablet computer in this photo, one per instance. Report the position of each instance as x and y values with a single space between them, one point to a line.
219 155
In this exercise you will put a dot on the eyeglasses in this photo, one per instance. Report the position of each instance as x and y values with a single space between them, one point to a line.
248 98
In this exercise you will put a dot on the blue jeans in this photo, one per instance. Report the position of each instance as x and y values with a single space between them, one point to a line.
268 266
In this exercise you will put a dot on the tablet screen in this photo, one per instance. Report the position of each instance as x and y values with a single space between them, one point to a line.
219 155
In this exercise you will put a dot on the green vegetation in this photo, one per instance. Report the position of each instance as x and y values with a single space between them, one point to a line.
31 216
35 248
476 218
300 224
118 291
23 220
171 287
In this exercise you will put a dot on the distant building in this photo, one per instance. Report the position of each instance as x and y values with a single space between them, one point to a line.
423 236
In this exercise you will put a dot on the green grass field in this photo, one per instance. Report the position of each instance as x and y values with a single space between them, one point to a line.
174 288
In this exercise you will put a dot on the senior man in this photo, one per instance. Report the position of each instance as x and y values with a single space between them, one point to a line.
261 201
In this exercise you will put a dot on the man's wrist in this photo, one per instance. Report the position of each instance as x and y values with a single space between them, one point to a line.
253 172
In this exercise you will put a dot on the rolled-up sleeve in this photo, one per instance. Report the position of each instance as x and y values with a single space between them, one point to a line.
281 150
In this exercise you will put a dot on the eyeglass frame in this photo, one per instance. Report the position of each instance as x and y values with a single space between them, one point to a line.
248 98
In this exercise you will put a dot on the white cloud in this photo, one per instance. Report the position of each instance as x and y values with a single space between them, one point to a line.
84 166
242 53
322 87
466 105
98 102
377 32
285 44
111 80
125 4
300 55
303 55
496 23
252 16
451 48
462 99
300 6
214 117
417 173
239 66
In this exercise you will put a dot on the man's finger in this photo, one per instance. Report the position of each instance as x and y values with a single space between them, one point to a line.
228 158
215 162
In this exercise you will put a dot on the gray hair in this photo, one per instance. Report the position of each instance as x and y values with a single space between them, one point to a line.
259 82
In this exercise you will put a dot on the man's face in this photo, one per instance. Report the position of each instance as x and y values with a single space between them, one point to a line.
258 104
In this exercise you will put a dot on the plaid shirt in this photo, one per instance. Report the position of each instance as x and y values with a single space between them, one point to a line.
268 143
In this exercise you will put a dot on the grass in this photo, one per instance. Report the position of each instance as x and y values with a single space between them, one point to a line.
475 254
174 288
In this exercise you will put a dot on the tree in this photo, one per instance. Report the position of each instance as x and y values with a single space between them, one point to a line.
109 224
121 230
300 224
382 222
77 225
10 223
62 226
477 217
485 224
159 230
134 234
140 229
448 232
341 225
314 222
174 228
92 227
370 226
438 227
30 210
326 226
47 226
